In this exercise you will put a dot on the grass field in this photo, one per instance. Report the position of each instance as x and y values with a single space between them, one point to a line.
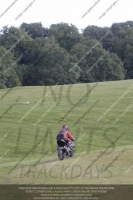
99 124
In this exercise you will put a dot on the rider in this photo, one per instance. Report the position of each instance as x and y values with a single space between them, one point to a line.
65 135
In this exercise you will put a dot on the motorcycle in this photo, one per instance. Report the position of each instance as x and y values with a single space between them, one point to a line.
63 150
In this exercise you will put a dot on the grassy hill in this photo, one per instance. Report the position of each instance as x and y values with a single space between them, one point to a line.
28 132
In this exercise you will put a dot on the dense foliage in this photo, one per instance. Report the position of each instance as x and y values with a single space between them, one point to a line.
34 55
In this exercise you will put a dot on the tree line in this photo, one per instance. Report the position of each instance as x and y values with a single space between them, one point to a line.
34 55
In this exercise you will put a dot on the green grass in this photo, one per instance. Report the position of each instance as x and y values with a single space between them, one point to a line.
103 132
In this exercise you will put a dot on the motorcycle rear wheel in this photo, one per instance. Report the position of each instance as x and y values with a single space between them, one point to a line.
61 154
71 153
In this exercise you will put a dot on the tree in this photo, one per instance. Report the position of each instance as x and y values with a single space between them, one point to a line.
66 35
35 30
8 75
62 55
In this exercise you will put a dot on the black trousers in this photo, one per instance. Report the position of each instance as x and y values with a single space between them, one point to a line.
67 140
61 136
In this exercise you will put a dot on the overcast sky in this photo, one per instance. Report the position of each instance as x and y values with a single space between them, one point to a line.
69 11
